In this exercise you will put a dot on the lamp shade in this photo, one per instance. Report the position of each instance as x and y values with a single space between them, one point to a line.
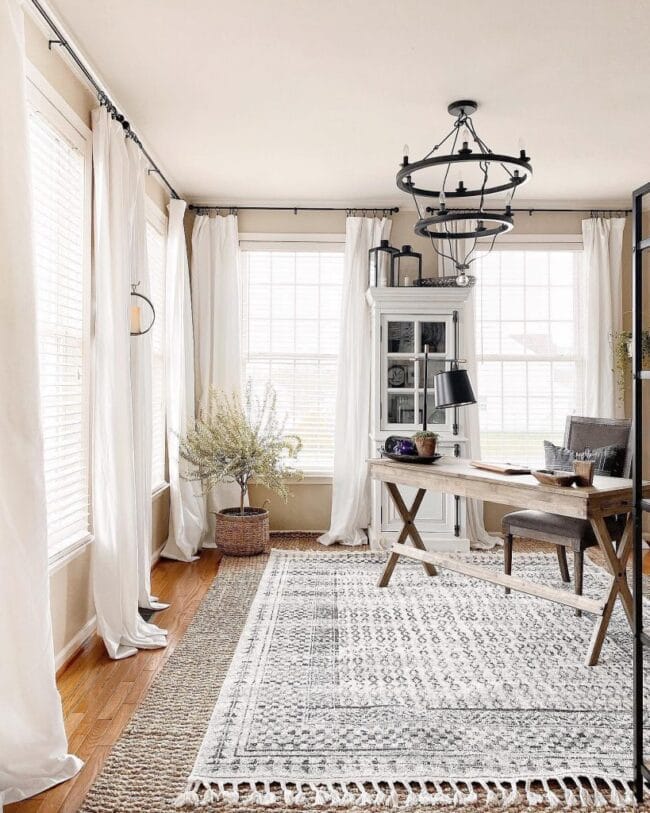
453 388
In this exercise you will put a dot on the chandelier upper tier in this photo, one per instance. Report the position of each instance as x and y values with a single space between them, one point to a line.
466 172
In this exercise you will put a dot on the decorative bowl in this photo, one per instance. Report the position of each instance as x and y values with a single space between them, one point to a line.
448 281
549 477
411 458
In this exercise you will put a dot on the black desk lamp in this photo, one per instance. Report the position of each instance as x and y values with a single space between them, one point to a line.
453 388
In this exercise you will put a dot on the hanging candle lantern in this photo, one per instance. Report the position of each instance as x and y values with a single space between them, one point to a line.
135 312
407 267
380 261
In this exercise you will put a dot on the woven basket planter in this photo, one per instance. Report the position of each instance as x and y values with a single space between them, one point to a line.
242 535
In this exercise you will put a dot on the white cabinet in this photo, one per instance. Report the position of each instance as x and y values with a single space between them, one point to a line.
404 320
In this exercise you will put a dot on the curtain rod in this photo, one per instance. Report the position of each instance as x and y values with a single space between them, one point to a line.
101 93
198 207
531 210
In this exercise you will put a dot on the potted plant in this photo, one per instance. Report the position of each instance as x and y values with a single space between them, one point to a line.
235 442
425 443
622 349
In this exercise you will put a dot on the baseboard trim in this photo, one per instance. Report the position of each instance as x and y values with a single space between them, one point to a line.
295 533
63 658
155 556
77 642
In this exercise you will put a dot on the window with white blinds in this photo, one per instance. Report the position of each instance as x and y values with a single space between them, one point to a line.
291 315
61 223
156 256
530 360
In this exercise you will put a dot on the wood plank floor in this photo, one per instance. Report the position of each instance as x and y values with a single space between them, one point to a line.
100 695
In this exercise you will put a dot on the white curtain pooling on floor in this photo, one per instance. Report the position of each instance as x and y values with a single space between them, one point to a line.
602 244
350 484
33 744
479 537
117 557
187 506
216 310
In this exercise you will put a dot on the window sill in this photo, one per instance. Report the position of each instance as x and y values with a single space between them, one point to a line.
313 480
156 491
65 553
307 480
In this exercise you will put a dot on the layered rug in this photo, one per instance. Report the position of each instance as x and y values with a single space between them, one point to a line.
433 691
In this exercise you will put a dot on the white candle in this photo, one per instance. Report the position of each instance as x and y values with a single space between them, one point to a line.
136 322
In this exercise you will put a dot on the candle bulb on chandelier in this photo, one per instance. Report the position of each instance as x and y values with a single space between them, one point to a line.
405 155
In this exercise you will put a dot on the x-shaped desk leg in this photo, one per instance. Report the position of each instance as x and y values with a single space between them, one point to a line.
409 530
616 564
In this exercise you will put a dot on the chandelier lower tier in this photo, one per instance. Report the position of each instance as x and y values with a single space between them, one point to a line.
468 173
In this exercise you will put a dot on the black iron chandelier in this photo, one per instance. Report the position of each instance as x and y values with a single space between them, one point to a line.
469 172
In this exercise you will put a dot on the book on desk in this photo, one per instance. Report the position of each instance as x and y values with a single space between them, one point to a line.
500 468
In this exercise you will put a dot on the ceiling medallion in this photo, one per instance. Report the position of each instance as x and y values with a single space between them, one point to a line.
468 173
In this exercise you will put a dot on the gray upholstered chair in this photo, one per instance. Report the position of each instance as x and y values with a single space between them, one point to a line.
567 532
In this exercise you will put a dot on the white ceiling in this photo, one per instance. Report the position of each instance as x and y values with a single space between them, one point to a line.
310 101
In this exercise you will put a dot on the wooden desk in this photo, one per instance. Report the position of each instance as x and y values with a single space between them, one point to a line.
607 496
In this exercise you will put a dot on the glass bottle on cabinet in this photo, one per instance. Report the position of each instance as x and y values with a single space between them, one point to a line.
403 366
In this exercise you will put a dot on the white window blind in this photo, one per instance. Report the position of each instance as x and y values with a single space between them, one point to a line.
156 257
291 314
529 351
61 234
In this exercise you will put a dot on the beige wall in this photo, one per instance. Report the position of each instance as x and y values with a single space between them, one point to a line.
70 583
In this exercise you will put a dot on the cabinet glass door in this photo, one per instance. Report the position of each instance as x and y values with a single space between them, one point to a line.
402 357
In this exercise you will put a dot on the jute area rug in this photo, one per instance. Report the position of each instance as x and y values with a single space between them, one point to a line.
431 692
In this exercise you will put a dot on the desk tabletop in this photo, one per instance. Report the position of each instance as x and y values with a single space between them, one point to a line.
607 496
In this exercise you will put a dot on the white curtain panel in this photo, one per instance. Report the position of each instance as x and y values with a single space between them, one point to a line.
187 506
350 483
141 379
479 538
117 558
603 244
33 745
216 310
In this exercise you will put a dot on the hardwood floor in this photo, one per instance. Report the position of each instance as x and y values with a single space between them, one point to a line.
99 695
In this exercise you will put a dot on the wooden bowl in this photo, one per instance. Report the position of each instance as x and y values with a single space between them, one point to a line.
548 477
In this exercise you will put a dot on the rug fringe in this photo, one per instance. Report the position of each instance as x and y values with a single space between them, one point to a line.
570 791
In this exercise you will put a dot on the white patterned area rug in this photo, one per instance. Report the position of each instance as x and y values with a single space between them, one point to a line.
422 693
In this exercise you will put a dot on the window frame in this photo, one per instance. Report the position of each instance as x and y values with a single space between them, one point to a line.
156 218
547 243
42 98
294 241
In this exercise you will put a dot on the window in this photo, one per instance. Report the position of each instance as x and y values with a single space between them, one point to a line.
291 313
156 257
60 161
528 350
